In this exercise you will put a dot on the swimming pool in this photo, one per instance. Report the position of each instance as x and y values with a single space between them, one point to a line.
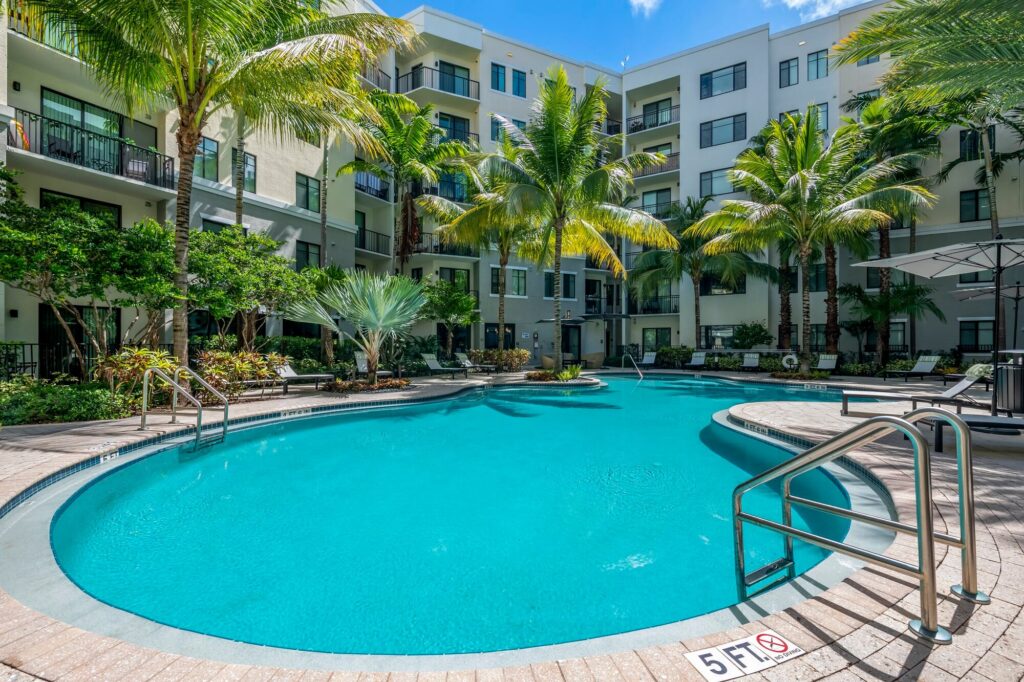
496 520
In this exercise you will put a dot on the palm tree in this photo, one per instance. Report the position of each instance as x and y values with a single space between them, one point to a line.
806 194
689 259
912 300
415 152
946 48
556 182
204 56
380 307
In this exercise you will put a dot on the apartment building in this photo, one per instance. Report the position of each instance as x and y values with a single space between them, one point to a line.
698 106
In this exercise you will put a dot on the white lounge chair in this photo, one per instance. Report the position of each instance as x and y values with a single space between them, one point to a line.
290 376
698 359
751 361
435 367
648 359
925 366
826 362
955 396
464 360
363 367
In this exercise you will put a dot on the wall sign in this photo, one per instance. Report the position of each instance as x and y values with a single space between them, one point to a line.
743 656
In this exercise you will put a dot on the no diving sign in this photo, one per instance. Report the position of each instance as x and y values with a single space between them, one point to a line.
744 656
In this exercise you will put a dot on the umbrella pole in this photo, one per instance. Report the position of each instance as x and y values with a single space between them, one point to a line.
995 326
1016 314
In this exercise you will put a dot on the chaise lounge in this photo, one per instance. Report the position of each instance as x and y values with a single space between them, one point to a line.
435 367
698 359
464 360
363 367
826 362
955 396
648 359
289 376
925 366
751 362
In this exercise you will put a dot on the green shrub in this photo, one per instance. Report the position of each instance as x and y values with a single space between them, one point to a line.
569 373
771 363
671 357
124 369
613 361
751 334
541 375
510 359
729 362
801 376
858 369
228 372
32 401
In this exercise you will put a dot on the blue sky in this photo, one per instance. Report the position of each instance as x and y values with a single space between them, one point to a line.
606 31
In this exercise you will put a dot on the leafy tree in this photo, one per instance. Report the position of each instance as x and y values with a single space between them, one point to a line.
381 308
238 274
451 306
751 334
206 56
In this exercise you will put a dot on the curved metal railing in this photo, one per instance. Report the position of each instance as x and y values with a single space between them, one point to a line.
192 399
635 366
205 384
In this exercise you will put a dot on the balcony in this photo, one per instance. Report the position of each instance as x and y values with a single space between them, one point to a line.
75 145
610 127
462 136
376 77
599 306
453 190
431 243
376 242
432 79
367 183
27 22
671 164
655 305
629 262
662 210
652 120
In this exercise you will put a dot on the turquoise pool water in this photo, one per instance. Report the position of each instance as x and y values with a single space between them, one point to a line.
501 519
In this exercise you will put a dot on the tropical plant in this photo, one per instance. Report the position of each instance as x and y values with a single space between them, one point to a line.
451 307
123 370
689 259
205 56
26 400
381 308
808 194
507 360
751 334
232 372
415 153
911 300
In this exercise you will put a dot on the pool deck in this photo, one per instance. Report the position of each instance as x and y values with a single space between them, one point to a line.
855 630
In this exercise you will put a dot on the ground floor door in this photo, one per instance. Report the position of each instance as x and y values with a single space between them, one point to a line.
571 340
462 338
491 335
56 353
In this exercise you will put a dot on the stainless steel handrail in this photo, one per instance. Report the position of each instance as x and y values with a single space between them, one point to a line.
867 432
635 366
145 400
205 384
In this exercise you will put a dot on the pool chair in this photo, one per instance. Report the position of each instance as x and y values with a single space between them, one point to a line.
648 360
925 366
289 376
751 362
464 360
363 367
435 367
826 362
955 396
698 359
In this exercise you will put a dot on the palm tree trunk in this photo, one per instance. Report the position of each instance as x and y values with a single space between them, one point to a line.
502 268
326 335
990 180
188 139
556 294
884 289
785 306
831 301
695 280
409 232
449 341
240 171
911 279
805 302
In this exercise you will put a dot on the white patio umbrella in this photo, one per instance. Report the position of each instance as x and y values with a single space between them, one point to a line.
959 259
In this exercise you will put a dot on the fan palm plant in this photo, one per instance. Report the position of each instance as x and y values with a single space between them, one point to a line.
689 259
912 300
414 151
381 308
807 194
205 56
557 182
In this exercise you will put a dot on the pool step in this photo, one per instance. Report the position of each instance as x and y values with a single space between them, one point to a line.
754 577
207 441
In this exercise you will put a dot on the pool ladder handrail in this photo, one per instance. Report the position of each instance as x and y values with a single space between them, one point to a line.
635 366
867 432
175 383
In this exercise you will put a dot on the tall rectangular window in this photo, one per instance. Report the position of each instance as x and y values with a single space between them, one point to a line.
976 335
519 124
817 277
495 130
867 60
307 255
248 170
568 285
817 337
497 77
515 281
817 65
723 130
655 338
518 83
822 116
657 113
307 192
724 80
457 277
453 78
789 72
970 143
974 205
206 159
656 201
108 213
715 182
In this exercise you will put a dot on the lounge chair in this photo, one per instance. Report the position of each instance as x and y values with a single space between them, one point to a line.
982 422
698 359
826 362
363 367
925 366
946 378
648 359
955 396
751 361
290 376
464 360
435 367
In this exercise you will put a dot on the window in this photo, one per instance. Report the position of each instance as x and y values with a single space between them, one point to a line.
795 113
656 201
455 127
817 277
817 65
723 80
789 72
515 281
715 182
216 226
870 94
974 205
206 159
817 337
248 170
108 213
822 116
723 130
519 124
718 336
454 79
663 148
307 255
307 192
491 335
518 83
867 60
712 285
897 338
416 274
497 77
658 113
568 285
976 277
976 335
458 277
970 143
656 338
495 130
874 277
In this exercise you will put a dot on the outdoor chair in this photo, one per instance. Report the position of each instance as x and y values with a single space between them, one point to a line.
648 359
464 360
826 362
984 423
435 367
363 367
698 359
925 366
290 376
751 362
955 396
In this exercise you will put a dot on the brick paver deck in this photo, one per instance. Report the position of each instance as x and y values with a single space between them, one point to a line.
853 631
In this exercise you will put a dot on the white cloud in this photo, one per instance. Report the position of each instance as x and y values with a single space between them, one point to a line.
645 7
810 9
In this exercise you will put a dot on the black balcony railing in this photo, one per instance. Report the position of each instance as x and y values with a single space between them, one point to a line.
662 210
368 183
654 305
430 243
73 144
425 77
462 135
653 119
671 164
611 127
368 240
28 23
975 348
446 188
376 77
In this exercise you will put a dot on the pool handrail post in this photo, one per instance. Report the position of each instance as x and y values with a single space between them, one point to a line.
145 400
205 384
635 366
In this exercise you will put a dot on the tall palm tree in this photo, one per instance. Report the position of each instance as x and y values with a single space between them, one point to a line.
203 56
414 151
912 300
556 182
808 194
689 259
381 308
